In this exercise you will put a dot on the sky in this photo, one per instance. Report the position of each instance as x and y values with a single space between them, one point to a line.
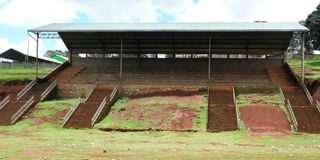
17 16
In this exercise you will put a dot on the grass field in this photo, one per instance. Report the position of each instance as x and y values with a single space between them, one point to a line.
147 109
312 67
49 140
23 73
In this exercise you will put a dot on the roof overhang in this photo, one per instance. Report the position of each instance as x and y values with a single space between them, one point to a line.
241 37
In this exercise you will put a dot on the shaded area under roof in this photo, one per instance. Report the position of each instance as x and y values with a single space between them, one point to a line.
173 38
15 55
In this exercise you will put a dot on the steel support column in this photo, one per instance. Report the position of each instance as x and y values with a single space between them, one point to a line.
121 59
302 57
209 58
37 53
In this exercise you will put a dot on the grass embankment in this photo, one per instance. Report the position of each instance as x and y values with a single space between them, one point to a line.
146 112
49 140
269 96
23 73
312 67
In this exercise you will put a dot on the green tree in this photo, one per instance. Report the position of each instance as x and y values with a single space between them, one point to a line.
313 23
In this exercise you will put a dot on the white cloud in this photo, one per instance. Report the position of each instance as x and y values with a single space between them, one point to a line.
284 10
22 13
130 10
22 46
207 11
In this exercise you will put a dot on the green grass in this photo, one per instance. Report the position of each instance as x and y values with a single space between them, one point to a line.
23 73
312 66
248 95
112 121
50 141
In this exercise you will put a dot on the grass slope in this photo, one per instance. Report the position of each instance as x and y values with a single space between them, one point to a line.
113 121
312 67
23 73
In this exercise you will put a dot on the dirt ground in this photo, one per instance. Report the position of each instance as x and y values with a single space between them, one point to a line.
11 87
265 119
164 108
168 116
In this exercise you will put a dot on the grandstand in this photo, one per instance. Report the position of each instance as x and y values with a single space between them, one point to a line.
218 55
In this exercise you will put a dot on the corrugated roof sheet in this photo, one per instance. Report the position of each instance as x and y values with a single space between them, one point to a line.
175 27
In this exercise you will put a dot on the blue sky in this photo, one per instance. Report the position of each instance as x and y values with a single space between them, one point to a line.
16 16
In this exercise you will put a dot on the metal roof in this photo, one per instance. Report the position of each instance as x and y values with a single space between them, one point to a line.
15 55
239 37
176 27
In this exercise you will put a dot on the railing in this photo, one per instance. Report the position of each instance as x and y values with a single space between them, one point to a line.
70 112
114 92
236 107
306 91
293 117
22 110
4 102
281 94
26 89
208 107
56 70
90 91
318 105
98 112
302 85
45 93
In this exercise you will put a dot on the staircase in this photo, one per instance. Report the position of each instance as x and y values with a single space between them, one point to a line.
308 117
33 93
86 114
222 115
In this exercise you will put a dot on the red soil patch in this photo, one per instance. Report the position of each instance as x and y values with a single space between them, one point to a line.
57 116
265 119
193 99
315 89
180 119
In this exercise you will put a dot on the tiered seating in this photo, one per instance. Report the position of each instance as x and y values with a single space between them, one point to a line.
239 76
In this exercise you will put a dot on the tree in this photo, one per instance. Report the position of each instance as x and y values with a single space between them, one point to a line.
313 23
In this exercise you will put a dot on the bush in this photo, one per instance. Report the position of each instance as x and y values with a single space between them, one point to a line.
122 109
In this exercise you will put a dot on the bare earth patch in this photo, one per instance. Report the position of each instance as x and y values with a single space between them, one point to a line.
263 119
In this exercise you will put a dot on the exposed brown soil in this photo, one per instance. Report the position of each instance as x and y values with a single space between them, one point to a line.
167 117
11 87
57 116
221 110
315 89
266 119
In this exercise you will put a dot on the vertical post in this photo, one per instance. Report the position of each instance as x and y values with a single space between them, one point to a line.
121 59
302 57
284 58
209 63
37 52
70 57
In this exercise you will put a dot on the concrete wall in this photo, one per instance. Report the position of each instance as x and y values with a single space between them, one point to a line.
195 64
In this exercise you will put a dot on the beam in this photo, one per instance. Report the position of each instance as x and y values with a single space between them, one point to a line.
121 59
302 57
